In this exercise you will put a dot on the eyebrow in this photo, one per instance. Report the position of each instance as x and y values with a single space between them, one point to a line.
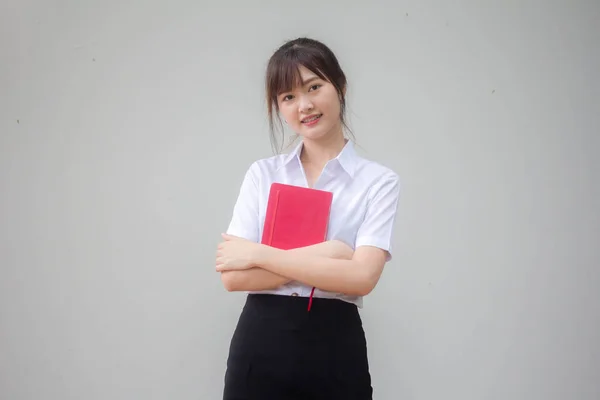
309 80
304 83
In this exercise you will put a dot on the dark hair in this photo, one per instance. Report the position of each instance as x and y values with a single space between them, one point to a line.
283 73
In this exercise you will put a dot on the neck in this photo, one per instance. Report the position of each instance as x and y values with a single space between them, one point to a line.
319 152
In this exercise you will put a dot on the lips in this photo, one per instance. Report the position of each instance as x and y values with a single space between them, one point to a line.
311 118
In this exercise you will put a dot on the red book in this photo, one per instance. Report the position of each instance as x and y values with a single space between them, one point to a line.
296 216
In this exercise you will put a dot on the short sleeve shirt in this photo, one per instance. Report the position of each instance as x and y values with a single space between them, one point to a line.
363 211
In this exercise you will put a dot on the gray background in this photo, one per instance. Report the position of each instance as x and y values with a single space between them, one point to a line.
126 127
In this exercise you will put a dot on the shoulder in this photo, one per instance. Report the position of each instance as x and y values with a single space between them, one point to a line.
269 163
265 167
376 175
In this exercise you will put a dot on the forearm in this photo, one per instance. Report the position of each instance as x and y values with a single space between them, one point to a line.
256 279
253 279
333 249
336 275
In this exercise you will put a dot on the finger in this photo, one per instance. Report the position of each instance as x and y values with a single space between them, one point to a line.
230 237
222 267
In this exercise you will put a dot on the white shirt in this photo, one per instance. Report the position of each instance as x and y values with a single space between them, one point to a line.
365 199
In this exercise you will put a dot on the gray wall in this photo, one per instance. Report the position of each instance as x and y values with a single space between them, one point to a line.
125 130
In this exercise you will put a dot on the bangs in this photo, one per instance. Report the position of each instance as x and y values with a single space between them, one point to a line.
285 78
283 73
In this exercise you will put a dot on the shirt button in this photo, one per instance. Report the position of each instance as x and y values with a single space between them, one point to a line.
294 294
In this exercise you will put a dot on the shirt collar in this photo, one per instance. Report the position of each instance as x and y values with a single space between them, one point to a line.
347 157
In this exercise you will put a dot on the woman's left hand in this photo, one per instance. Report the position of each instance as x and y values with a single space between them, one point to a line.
235 254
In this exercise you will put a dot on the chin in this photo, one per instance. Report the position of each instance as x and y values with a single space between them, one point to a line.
316 133
313 135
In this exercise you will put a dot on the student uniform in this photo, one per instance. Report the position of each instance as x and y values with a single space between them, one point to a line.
279 350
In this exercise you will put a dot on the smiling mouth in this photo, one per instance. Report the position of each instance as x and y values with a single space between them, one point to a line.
311 119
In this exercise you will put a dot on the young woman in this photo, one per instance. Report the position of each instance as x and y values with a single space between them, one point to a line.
280 349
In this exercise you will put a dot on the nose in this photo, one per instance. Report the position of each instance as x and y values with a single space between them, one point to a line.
304 105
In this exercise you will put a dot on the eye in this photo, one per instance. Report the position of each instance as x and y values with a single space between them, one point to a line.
287 97
314 87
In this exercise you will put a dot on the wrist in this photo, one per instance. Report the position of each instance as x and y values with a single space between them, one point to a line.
262 255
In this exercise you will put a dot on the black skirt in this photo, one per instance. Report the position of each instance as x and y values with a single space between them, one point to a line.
281 351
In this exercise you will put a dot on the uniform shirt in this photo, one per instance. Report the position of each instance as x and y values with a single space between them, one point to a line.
363 210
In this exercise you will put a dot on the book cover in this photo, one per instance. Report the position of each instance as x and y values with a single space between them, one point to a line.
296 216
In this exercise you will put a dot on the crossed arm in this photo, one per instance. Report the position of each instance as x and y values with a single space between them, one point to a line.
331 266
257 278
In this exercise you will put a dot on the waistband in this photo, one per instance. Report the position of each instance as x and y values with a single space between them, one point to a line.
274 304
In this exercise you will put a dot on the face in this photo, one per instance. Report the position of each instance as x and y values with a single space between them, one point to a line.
312 109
